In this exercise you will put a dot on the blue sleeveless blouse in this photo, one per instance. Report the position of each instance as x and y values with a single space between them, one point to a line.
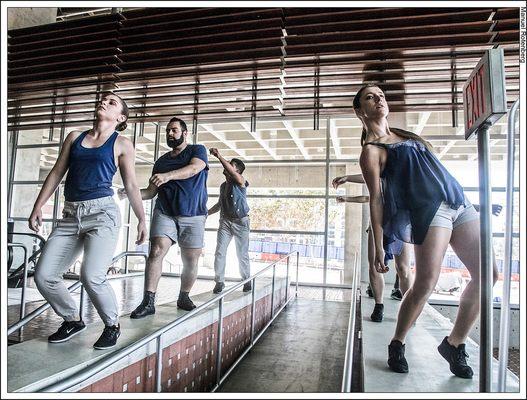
413 184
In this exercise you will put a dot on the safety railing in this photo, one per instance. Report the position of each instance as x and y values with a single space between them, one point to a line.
35 313
507 271
24 279
350 339
113 358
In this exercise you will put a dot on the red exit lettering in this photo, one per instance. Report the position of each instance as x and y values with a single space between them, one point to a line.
476 97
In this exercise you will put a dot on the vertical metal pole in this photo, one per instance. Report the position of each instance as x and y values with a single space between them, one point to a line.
81 302
297 264
485 254
505 301
159 363
287 280
326 208
272 293
24 283
219 338
253 317
12 172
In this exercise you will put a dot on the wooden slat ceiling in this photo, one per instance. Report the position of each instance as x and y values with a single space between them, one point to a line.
162 59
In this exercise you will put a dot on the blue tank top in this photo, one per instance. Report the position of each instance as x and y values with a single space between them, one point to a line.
414 183
90 171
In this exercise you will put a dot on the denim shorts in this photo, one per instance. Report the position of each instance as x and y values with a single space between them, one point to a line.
189 232
447 217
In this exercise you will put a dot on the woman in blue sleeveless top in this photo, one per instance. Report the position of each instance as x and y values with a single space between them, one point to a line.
414 199
91 219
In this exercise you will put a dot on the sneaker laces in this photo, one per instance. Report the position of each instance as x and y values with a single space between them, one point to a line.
461 356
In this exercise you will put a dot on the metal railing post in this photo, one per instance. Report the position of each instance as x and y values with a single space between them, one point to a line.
159 363
219 338
486 270
287 280
81 302
253 307
507 270
297 264
24 281
272 293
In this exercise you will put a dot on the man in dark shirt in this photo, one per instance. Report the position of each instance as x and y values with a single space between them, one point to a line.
179 179
234 221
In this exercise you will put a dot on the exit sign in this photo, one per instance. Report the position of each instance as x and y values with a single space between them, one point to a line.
484 97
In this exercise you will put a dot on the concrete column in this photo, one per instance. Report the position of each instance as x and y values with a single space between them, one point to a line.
24 17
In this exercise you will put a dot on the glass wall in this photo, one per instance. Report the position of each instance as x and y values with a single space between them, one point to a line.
289 167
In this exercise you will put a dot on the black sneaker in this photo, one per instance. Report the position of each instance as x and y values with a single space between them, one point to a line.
66 331
457 358
247 287
109 337
378 313
369 292
147 306
396 360
218 288
396 294
185 303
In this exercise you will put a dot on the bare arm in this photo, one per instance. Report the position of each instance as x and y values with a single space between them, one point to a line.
126 166
353 199
215 208
231 171
150 192
370 163
52 181
195 166
356 178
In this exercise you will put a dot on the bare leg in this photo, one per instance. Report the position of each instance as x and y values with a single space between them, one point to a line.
190 259
376 278
402 266
429 256
465 243
159 247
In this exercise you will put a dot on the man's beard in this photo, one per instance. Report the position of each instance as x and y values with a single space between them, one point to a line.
173 143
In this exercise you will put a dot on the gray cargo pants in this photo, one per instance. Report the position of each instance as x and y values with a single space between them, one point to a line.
239 228
91 226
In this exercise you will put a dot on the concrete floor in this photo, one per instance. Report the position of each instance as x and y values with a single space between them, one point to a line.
429 372
303 351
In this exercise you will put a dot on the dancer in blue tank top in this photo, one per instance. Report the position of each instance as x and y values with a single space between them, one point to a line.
414 199
91 219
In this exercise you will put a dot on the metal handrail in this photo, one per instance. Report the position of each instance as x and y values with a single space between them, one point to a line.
112 358
129 254
350 339
24 279
507 271
24 320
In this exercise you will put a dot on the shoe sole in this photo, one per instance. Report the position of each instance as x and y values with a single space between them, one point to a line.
142 316
399 372
104 348
68 338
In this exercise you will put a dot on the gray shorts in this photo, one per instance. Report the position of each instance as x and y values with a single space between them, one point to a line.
447 217
189 232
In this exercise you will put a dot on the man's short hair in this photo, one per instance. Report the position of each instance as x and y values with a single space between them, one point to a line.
181 123
240 166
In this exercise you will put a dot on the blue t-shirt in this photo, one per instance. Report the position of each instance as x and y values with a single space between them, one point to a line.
184 197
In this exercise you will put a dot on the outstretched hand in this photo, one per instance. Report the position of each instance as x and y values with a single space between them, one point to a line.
339 180
121 193
215 152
